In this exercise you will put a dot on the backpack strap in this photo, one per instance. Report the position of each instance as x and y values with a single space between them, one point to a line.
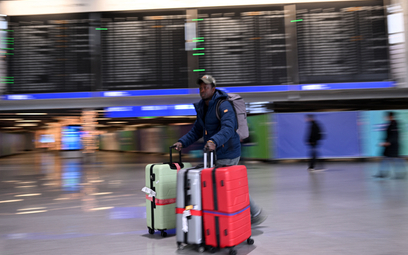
217 108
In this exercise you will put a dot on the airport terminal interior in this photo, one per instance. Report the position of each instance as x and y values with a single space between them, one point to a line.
93 91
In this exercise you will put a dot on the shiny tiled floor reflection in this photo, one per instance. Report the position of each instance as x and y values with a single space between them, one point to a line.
52 205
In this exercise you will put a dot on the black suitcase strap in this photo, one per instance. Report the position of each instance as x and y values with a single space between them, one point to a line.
153 202
187 198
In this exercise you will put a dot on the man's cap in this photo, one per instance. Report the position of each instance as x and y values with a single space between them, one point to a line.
207 79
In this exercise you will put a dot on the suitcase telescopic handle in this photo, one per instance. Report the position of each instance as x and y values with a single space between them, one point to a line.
171 154
212 158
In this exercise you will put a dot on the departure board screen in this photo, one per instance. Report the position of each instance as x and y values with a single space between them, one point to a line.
238 46
50 54
343 41
144 50
245 46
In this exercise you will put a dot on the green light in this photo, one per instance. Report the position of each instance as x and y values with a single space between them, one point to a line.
198 38
7 48
7 53
198 48
197 19
7 30
8 38
10 43
101 28
7 82
147 117
199 70
198 54
296 20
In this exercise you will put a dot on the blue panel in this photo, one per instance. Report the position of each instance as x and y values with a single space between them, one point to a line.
151 92
170 92
71 138
150 111
340 132
254 89
351 85
49 96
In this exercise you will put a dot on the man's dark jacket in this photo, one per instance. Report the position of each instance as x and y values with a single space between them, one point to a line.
392 138
315 133
222 133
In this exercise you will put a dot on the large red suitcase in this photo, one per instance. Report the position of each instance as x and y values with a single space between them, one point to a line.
225 203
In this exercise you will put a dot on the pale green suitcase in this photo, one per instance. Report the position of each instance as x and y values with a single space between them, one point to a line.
161 181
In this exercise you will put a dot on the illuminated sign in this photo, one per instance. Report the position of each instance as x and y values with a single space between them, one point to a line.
194 91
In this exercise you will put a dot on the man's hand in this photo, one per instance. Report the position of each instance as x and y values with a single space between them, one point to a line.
385 144
210 146
178 146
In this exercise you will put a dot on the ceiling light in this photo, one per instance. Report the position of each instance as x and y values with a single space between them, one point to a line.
28 121
10 127
27 125
31 113
10 119
103 118
179 124
28 195
29 212
117 122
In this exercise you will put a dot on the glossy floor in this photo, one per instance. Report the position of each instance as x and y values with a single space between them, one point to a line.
52 205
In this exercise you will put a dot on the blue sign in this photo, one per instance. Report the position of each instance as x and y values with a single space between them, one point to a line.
71 138
193 91
256 89
70 95
150 111
352 85
150 92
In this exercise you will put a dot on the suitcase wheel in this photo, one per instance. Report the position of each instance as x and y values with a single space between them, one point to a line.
212 250
250 241
232 252
180 246
151 231
201 249
163 234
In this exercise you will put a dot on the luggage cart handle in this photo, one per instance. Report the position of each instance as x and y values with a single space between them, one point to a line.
171 154
212 158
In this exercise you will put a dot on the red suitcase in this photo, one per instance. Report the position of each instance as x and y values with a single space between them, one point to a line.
225 203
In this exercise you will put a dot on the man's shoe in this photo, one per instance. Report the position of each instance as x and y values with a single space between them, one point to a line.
380 176
311 169
257 220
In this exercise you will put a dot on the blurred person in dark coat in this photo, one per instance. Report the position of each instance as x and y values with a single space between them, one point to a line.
391 151
314 135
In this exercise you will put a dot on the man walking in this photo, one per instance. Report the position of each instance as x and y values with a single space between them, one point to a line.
219 134
312 139
391 150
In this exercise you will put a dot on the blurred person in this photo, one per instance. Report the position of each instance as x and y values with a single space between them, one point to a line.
314 135
391 150
247 143
219 135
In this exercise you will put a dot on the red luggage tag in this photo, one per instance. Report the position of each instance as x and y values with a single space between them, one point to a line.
177 166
